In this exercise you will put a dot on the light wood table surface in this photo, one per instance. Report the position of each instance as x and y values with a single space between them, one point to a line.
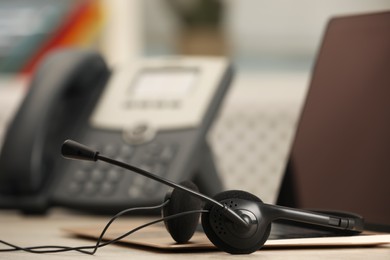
42 230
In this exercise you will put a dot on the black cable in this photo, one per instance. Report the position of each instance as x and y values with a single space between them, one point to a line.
64 248
83 249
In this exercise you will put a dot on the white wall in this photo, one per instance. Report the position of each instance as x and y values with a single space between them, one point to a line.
286 29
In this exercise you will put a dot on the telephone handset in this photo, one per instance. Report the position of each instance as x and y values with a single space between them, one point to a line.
64 82
154 113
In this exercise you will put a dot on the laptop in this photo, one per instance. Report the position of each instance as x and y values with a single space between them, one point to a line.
340 157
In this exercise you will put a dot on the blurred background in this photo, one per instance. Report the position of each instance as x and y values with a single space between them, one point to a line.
272 45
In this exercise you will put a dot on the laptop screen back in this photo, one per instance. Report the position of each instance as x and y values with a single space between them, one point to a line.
340 158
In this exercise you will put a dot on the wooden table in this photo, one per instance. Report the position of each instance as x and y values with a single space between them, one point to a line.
42 230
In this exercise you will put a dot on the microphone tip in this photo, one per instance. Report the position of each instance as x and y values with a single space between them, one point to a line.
73 150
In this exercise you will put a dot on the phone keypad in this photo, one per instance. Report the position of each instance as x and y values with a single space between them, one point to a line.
92 178
155 159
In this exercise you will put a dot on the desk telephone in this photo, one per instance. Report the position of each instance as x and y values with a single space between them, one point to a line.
154 114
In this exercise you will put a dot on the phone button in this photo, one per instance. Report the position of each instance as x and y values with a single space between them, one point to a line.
167 153
138 133
136 188
74 188
113 175
126 151
80 175
107 189
90 188
97 175
109 150
159 169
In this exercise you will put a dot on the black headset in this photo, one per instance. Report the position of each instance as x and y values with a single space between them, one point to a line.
235 221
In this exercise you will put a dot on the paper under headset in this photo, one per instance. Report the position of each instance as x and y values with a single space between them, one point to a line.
235 221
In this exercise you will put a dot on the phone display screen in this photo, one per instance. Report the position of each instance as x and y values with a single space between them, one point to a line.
170 83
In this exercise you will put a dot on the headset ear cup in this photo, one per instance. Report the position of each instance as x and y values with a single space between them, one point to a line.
182 228
265 236
217 230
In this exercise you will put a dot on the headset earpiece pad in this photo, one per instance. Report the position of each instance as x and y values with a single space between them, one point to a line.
182 228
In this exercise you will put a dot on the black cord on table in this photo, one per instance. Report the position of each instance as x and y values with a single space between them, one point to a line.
84 249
